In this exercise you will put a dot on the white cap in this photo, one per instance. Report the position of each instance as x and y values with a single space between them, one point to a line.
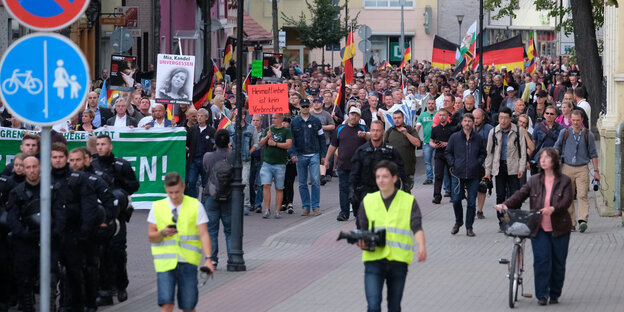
354 109
510 88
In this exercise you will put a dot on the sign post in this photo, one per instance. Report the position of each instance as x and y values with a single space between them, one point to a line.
47 88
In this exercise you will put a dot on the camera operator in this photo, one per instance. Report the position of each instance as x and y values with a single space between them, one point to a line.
398 212
77 195
577 148
113 273
23 218
362 176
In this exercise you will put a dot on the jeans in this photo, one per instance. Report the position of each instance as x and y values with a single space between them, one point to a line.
270 173
343 189
506 185
441 171
254 180
457 192
195 171
245 181
549 261
312 165
215 211
378 272
289 181
185 276
428 155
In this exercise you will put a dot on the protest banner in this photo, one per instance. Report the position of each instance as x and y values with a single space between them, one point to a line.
268 99
272 65
122 72
151 153
174 79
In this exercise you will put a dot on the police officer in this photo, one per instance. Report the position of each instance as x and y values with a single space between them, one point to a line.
80 160
24 208
113 273
77 195
397 212
7 183
362 177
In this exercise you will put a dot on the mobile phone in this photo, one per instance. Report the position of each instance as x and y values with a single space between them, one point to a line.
172 226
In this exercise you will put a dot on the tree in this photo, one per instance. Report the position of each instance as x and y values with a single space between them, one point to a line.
587 16
324 26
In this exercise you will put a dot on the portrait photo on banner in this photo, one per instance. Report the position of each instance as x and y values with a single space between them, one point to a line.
123 72
174 79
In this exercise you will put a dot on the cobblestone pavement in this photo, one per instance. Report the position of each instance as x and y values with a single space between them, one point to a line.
296 264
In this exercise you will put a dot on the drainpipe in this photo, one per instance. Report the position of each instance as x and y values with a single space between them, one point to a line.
618 169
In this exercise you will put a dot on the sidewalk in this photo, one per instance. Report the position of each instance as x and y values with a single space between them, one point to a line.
303 268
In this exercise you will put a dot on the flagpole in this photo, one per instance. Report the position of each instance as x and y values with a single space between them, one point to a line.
481 53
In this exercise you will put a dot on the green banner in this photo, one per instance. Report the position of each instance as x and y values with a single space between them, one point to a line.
151 153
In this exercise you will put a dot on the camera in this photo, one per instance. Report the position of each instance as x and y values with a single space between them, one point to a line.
371 238
596 185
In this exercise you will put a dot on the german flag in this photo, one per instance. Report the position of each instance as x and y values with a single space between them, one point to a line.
444 53
202 90
508 54
224 123
247 82
384 65
407 56
340 99
531 55
227 55
217 74
347 59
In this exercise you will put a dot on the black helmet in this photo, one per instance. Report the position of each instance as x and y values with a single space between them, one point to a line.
122 200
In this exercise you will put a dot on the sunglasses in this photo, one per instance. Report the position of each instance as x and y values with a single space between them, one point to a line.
549 113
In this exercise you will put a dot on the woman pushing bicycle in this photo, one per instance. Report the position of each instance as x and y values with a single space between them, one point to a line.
551 194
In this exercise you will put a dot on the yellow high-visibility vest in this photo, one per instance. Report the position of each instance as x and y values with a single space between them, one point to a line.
185 244
396 222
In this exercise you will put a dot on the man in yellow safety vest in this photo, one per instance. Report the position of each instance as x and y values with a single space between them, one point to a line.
178 234
397 212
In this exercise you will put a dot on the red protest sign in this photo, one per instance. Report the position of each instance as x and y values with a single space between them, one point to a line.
268 99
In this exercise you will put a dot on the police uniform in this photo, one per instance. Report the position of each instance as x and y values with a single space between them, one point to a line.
24 221
113 274
7 183
79 200
362 177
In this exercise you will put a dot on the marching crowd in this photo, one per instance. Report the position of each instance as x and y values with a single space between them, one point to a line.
471 143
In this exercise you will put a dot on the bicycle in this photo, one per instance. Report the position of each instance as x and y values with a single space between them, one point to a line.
32 85
517 226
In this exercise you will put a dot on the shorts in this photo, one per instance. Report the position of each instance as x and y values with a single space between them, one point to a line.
185 276
270 173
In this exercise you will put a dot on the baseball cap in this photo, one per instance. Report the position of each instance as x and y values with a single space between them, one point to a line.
354 109
304 103
510 88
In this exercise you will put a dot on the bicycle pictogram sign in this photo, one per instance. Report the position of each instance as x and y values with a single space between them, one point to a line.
32 85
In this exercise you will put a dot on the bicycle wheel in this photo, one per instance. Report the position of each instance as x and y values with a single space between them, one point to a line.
9 87
514 271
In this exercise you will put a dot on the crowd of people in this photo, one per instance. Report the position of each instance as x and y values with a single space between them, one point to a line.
471 143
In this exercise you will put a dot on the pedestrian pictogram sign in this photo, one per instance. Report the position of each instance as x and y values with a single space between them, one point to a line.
46 14
43 78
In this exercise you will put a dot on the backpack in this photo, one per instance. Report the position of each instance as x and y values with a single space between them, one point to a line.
566 134
221 176
495 141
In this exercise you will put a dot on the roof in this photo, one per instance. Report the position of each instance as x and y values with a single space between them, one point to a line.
253 30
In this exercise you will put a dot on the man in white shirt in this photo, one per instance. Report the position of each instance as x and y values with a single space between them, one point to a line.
121 118
158 118
581 102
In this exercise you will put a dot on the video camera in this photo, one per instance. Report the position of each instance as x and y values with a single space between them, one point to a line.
371 238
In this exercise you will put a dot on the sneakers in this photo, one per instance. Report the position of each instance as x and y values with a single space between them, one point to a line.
259 209
290 209
436 200
480 215
323 180
428 182
305 212
267 214
317 212
542 301
582 226
342 218
277 215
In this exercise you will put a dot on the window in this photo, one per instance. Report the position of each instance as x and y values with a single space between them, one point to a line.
395 4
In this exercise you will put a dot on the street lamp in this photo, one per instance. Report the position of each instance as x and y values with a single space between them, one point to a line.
460 19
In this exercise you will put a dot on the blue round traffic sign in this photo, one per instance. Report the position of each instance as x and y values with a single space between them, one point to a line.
44 78
46 15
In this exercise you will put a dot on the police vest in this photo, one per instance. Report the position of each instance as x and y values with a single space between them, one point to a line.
183 245
396 221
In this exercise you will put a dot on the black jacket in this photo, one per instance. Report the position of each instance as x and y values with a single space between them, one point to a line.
77 194
117 170
24 202
465 156
362 176
206 138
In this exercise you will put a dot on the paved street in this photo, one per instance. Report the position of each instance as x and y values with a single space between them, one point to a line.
295 264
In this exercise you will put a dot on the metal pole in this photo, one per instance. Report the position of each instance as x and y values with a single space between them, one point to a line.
460 36
46 220
402 38
276 46
560 22
481 74
206 56
236 262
